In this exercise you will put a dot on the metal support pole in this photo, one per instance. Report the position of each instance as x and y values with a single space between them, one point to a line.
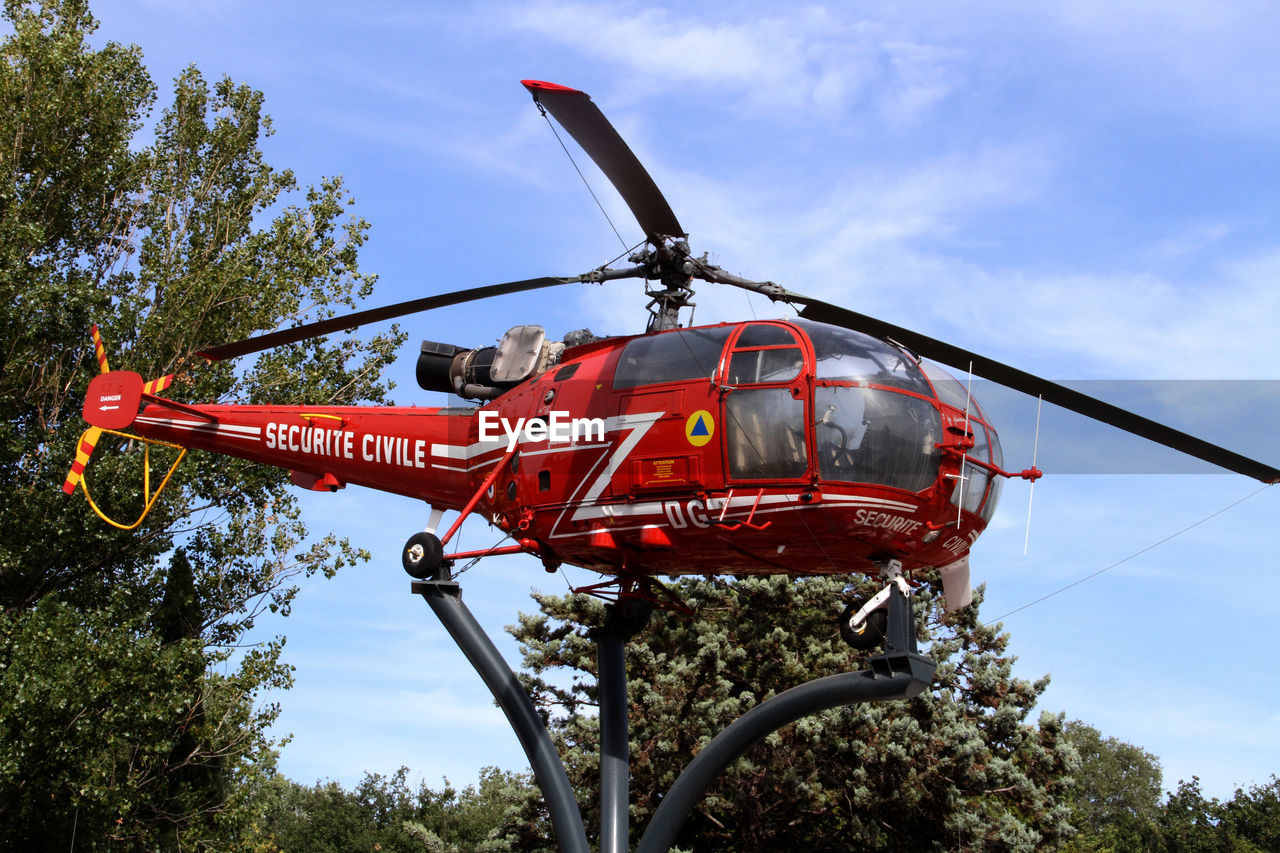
445 598
900 673
615 756
809 698
622 621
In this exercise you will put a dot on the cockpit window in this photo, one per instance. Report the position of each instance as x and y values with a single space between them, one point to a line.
764 427
869 435
951 390
765 353
764 434
765 335
843 354
764 365
978 488
671 357
972 487
993 496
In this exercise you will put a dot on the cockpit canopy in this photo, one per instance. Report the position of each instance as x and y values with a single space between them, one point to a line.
869 414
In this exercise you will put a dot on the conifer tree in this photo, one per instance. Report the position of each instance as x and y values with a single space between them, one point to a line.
958 767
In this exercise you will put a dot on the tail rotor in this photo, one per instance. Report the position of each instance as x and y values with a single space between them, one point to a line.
111 404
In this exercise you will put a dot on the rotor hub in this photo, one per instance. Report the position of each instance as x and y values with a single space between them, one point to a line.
670 265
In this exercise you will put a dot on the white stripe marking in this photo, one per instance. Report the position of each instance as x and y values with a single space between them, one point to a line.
227 430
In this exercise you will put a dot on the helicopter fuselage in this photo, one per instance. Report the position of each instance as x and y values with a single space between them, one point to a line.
742 448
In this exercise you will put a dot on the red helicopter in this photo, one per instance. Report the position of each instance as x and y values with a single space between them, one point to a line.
827 444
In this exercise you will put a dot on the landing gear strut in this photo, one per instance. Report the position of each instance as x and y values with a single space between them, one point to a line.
886 616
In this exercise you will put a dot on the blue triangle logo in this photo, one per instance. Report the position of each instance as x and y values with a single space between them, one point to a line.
700 428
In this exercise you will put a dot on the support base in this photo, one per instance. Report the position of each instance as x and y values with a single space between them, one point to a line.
900 673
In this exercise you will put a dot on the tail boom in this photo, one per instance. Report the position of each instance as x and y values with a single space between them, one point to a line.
394 449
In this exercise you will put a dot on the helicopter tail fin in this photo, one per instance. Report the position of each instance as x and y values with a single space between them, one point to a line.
112 400
113 396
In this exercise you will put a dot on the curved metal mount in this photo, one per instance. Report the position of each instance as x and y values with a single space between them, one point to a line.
445 599
149 498
847 688
899 673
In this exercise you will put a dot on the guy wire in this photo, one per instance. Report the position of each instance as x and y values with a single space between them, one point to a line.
1137 553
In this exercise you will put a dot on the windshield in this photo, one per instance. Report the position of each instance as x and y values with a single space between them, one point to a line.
869 435
951 390
844 354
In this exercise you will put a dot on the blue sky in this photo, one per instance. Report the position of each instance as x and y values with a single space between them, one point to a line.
1084 191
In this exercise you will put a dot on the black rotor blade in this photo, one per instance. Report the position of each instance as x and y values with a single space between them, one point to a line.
388 312
578 115
1051 392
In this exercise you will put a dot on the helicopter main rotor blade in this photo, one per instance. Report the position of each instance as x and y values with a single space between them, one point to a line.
1011 377
578 115
400 309
1051 392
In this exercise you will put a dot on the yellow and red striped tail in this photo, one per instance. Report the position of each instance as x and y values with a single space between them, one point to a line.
100 350
111 403
155 386
87 443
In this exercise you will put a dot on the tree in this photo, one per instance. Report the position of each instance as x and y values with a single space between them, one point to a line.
958 767
1188 822
120 726
1248 823
1115 804
1254 815
382 813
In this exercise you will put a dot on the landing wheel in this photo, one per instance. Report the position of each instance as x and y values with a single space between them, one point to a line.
423 556
872 631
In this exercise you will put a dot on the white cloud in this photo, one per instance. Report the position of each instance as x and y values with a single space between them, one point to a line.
811 58
1211 63
1191 240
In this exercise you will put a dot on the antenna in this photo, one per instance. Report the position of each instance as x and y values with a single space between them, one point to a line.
964 451
1031 493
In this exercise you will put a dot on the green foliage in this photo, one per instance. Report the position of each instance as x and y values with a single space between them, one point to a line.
500 814
101 719
1187 821
959 767
1115 804
126 717
1254 815
1248 823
